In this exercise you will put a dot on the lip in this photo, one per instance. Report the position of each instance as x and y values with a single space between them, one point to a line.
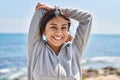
58 38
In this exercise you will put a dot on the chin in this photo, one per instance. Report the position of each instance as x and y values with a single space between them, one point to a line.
57 45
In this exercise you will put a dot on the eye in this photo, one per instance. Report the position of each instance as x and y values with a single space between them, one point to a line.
64 28
53 27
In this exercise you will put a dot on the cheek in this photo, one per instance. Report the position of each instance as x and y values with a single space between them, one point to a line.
47 31
48 34
66 34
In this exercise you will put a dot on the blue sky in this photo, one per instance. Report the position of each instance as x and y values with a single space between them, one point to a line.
15 15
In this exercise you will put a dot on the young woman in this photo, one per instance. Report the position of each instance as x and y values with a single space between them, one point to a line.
58 57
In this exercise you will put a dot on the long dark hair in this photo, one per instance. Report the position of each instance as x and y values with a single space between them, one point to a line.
50 15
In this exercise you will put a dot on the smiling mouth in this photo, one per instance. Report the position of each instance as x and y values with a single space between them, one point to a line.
58 38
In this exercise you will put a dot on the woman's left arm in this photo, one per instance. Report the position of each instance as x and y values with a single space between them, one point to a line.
83 29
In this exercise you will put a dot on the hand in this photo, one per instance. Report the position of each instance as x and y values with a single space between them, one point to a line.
70 37
44 6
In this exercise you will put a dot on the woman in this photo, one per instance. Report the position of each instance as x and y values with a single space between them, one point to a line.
58 57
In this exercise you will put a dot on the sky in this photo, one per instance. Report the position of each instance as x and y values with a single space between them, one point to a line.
15 15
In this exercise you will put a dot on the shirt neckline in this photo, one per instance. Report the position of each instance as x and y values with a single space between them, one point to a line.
63 46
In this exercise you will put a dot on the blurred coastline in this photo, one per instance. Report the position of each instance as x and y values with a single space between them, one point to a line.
100 60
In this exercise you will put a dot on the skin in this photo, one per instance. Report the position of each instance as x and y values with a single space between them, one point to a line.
57 33
56 30
42 5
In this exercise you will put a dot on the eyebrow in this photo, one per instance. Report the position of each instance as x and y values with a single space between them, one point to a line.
56 24
64 24
53 24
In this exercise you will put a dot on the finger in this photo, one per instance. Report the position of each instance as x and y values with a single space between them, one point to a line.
36 7
38 4
39 7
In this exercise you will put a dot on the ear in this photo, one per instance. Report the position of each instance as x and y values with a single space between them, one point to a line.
44 33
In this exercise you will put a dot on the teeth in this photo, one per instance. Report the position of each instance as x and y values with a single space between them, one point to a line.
58 38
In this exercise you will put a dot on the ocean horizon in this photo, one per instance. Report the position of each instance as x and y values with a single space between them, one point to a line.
101 51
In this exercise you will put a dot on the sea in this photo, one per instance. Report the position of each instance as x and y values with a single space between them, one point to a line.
102 50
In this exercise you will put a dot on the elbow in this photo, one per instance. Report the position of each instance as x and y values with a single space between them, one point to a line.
88 18
89 14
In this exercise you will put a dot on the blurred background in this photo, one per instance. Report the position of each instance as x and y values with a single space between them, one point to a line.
103 48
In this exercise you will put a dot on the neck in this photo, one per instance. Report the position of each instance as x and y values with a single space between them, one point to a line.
56 49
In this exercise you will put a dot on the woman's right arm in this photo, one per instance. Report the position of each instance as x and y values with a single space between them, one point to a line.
34 30
33 37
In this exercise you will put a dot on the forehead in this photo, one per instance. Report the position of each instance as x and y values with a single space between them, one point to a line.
59 20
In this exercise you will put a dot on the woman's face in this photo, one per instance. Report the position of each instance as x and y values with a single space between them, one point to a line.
56 31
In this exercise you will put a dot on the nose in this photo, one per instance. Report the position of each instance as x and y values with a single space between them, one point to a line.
59 32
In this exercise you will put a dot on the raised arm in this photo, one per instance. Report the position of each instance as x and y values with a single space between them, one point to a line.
33 37
34 30
83 29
